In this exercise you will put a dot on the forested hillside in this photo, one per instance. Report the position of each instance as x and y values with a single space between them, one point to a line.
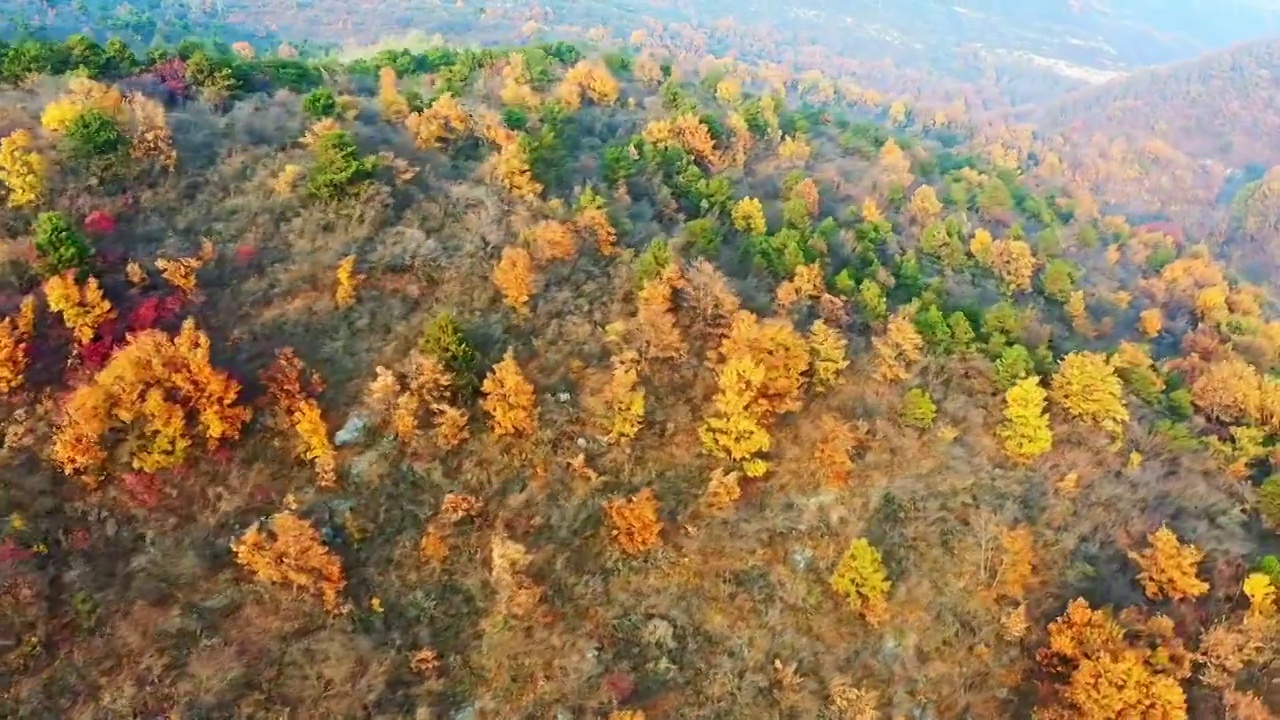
605 381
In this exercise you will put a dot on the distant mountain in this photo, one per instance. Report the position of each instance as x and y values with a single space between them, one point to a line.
1224 106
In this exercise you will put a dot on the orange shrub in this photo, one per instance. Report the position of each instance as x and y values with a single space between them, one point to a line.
289 551
509 399
154 395
83 309
633 522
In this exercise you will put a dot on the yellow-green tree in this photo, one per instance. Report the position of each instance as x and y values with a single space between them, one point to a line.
22 169
748 216
1088 389
860 578
1025 432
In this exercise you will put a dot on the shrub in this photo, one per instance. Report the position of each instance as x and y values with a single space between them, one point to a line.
444 339
339 169
1269 501
92 135
320 103
918 410
59 246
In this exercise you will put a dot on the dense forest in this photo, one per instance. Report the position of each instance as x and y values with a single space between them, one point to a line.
612 379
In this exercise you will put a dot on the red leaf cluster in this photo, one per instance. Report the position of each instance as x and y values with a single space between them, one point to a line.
142 489
100 222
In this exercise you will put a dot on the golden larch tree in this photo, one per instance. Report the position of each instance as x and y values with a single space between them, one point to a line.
1168 567
1025 432
155 395
16 332
394 106
510 399
444 121
298 413
1087 388
514 277
624 399
828 350
22 169
748 216
551 241
774 344
894 165
348 282
734 431
289 551
1017 563
1105 676
657 336
1150 322
897 349
924 206
633 522
590 79
83 308
1015 263
860 578
150 137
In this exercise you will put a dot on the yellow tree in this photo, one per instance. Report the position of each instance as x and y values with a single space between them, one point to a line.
297 410
657 335
1150 322
509 399
1087 388
894 165
290 551
348 282
860 578
897 349
83 309
924 206
514 277
150 137
748 216
783 354
443 122
734 431
153 396
1025 432
589 78
22 169
1106 677
828 351
633 522
624 399
1168 567
1014 263
15 334
394 106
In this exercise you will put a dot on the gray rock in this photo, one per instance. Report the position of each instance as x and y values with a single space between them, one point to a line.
800 559
352 431
468 712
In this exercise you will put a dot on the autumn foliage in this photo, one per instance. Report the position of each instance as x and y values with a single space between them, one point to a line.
287 550
22 169
1105 675
510 399
633 522
1087 388
83 308
1168 567
1025 432
16 332
296 409
860 578
157 395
